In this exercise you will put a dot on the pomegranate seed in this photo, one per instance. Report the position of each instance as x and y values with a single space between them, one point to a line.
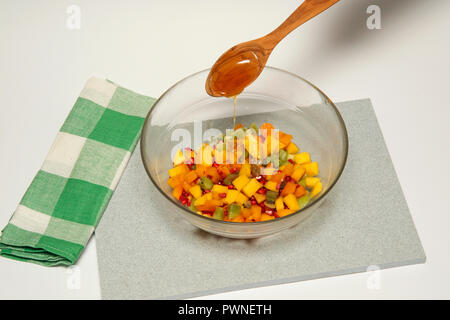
276 215
261 191
230 186
184 201
288 178
215 165
207 191
188 203
291 161
222 195
253 202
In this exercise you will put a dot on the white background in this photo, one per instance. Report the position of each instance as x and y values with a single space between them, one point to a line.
148 45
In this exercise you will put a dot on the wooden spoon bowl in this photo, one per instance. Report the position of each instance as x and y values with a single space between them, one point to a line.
241 65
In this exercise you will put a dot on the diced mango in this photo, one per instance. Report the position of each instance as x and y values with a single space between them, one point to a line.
231 196
279 204
240 182
312 169
251 187
200 201
246 170
271 185
241 198
176 170
301 158
219 188
259 197
291 202
196 191
292 148
178 158
285 138
285 212
311 181
298 173
246 212
266 217
316 189
256 212
239 218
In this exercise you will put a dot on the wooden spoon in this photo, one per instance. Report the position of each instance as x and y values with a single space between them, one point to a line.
241 65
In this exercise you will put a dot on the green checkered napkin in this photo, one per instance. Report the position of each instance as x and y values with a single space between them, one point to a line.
65 201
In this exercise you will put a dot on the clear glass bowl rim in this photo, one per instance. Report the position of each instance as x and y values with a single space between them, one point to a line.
185 209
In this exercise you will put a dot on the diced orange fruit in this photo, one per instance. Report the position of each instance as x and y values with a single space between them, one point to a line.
300 191
190 176
289 188
288 169
177 192
285 138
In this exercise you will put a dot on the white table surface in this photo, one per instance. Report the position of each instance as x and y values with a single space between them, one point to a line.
148 45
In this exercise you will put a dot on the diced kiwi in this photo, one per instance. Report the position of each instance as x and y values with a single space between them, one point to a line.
271 196
234 210
283 156
247 204
219 213
302 181
303 201
206 183
229 178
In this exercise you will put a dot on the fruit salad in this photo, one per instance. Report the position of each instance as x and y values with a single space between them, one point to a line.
256 182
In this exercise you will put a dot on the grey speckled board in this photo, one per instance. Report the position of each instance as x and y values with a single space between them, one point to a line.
146 252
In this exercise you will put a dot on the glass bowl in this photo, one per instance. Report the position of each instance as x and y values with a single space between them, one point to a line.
289 102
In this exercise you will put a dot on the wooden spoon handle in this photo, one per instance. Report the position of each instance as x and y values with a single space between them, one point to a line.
307 10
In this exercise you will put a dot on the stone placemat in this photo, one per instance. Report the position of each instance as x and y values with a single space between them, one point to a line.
146 252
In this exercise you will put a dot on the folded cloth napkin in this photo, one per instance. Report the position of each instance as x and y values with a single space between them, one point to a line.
66 199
